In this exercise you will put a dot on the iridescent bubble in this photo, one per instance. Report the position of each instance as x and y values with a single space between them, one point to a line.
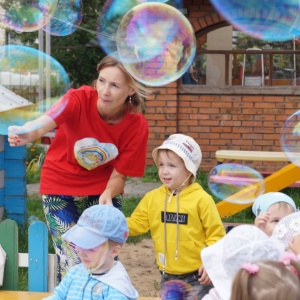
110 18
26 15
265 20
235 183
39 81
66 19
156 43
290 138
177 290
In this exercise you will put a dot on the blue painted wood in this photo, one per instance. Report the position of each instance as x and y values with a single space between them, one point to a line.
15 187
38 257
1 160
15 168
14 152
15 204
9 241
2 196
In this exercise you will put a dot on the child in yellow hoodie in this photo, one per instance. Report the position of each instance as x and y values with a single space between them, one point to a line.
182 218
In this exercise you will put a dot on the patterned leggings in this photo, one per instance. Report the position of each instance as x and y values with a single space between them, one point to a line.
63 212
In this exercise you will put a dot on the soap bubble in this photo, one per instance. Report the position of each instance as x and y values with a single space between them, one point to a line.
26 15
177 290
265 20
290 138
225 180
25 71
156 43
110 18
66 19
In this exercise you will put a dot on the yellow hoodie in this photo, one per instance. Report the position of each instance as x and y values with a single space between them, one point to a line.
178 240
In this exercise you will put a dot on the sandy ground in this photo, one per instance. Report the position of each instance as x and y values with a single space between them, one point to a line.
139 261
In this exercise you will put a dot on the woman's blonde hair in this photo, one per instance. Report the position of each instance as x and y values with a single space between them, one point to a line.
272 281
137 99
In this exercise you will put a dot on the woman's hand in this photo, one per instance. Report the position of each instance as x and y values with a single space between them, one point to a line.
17 136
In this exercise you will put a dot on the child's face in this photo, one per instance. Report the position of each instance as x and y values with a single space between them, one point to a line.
171 170
95 258
276 214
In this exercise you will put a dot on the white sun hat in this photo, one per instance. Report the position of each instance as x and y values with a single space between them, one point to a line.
243 244
186 148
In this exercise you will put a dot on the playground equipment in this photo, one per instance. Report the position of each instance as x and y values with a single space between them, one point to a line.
277 181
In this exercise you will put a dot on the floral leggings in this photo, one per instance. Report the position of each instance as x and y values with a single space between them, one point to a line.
63 212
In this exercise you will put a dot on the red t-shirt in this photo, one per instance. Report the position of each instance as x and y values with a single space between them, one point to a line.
62 173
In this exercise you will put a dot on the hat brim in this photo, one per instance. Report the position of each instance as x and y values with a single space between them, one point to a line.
84 237
213 265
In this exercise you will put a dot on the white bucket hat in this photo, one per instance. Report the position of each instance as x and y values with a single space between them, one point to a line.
186 148
243 244
287 228
263 202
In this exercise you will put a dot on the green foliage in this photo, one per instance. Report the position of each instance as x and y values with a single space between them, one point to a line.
151 174
34 160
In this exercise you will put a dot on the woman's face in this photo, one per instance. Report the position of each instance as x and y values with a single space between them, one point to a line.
112 90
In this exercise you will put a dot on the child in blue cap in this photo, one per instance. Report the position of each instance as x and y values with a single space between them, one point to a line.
98 238
270 208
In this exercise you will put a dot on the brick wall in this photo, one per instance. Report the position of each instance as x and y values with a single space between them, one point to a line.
237 122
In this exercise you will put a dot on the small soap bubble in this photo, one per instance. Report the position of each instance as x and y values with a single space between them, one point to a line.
226 180
290 138
27 16
265 20
177 290
156 43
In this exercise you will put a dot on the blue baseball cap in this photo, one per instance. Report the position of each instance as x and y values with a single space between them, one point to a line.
96 225
263 202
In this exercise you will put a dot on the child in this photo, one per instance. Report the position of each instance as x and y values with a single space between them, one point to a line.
266 279
181 216
98 237
270 208
243 244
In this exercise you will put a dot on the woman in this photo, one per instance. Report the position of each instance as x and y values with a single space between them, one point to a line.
101 138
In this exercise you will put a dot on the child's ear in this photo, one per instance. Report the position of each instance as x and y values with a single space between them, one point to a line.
115 251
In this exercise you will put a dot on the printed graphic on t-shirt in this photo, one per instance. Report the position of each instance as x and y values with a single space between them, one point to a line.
91 154
172 218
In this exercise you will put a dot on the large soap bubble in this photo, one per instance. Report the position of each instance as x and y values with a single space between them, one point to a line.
290 138
66 19
265 20
110 18
226 180
26 15
156 43
38 79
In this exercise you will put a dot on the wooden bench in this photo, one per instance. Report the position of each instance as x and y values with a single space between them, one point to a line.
222 155
17 295
41 265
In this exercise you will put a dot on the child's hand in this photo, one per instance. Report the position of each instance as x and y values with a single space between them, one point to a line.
203 277
261 220
294 245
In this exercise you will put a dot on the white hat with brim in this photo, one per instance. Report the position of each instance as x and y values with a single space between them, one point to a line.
244 243
186 148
